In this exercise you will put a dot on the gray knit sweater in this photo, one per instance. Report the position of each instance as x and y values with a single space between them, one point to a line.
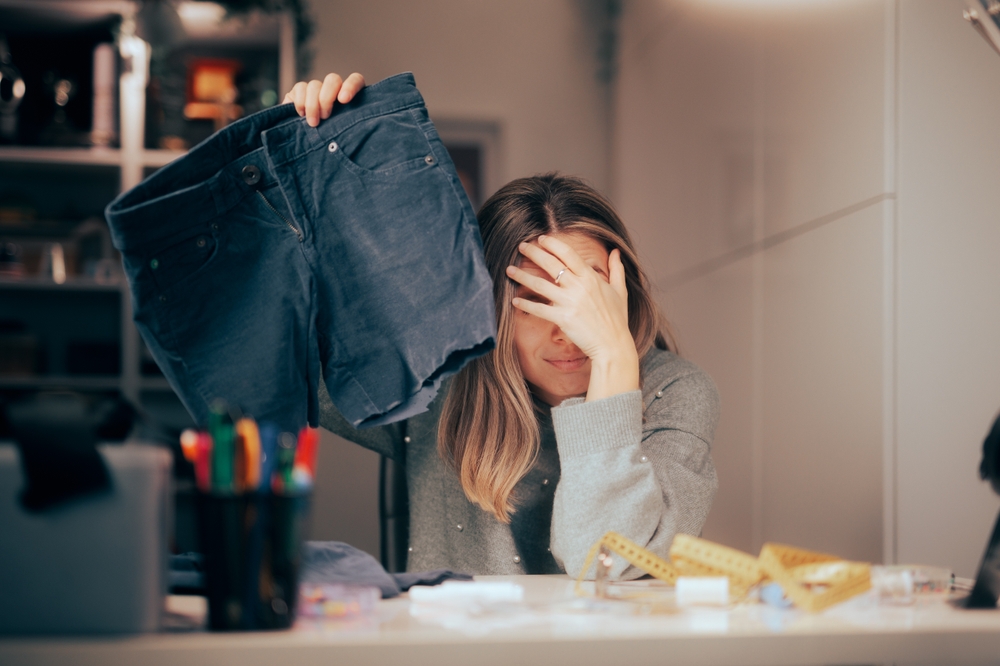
637 463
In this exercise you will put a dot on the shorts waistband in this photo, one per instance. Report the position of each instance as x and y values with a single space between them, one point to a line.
207 182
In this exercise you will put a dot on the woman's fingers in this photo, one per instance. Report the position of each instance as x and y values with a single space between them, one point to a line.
543 259
351 87
315 99
564 253
559 267
297 96
546 312
617 274
312 102
540 286
332 85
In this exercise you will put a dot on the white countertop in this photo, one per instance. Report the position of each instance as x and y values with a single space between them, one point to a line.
553 626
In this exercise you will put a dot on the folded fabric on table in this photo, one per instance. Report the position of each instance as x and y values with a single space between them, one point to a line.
187 573
333 562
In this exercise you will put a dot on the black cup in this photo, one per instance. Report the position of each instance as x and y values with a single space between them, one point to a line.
252 545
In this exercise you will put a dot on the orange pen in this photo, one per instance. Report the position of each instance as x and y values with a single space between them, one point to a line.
189 445
249 434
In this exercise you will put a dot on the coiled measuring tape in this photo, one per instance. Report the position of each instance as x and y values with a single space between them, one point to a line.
811 580
814 581
635 555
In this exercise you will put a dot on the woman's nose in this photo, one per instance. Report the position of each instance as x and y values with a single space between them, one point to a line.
561 338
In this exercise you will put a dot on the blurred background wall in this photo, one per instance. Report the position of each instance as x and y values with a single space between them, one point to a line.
811 186
752 163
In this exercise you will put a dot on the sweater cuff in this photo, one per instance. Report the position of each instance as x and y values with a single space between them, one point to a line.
602 425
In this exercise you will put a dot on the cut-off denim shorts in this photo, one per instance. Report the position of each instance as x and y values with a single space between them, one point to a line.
275 253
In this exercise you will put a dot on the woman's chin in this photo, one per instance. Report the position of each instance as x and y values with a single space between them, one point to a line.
560 391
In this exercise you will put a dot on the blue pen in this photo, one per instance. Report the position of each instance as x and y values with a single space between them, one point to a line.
268 453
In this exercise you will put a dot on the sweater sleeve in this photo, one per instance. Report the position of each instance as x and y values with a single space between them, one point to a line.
645 479
386 440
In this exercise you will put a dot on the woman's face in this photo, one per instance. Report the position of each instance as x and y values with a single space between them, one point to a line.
555 368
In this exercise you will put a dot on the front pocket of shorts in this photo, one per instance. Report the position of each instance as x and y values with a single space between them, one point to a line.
383 146
173 265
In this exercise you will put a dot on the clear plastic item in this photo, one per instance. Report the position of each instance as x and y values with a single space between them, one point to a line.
904 584
337 601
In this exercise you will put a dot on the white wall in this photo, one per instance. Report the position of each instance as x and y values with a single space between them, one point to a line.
749 154
529 67
949 282
814 185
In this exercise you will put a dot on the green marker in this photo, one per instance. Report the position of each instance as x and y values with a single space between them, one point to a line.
286 460
220 427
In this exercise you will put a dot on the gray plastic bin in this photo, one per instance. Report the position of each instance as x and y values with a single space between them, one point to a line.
96 565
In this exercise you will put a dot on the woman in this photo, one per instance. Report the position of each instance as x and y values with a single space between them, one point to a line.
582 420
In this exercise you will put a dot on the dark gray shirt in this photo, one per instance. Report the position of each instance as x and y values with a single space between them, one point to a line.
533 499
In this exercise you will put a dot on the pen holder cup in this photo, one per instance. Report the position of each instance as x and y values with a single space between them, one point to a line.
252 545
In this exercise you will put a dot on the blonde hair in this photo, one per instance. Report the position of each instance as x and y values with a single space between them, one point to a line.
488 430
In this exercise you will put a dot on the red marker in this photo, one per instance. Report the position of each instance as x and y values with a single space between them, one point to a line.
305 452
203 462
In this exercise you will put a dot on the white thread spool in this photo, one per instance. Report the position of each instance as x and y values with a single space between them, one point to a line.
702 591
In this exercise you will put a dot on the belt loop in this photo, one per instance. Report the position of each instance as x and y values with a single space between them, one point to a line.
315 135
220 204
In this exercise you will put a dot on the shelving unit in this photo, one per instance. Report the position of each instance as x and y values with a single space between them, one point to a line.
85 179
74 156
112 157
72 284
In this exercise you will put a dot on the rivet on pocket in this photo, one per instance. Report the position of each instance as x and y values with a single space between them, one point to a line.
332 147
154 264
201 242
429 159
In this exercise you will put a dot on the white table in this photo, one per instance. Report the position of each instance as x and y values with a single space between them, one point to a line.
547 630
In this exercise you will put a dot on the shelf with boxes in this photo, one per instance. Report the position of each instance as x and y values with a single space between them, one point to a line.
62 294
60 156
96 95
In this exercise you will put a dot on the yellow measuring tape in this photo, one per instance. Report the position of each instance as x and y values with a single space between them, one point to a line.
699 557
635 555
812 581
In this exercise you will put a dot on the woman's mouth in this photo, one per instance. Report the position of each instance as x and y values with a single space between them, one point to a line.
568 365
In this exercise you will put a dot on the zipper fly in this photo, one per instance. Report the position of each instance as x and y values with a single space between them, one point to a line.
283 218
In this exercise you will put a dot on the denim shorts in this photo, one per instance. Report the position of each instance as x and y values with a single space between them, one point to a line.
275 253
